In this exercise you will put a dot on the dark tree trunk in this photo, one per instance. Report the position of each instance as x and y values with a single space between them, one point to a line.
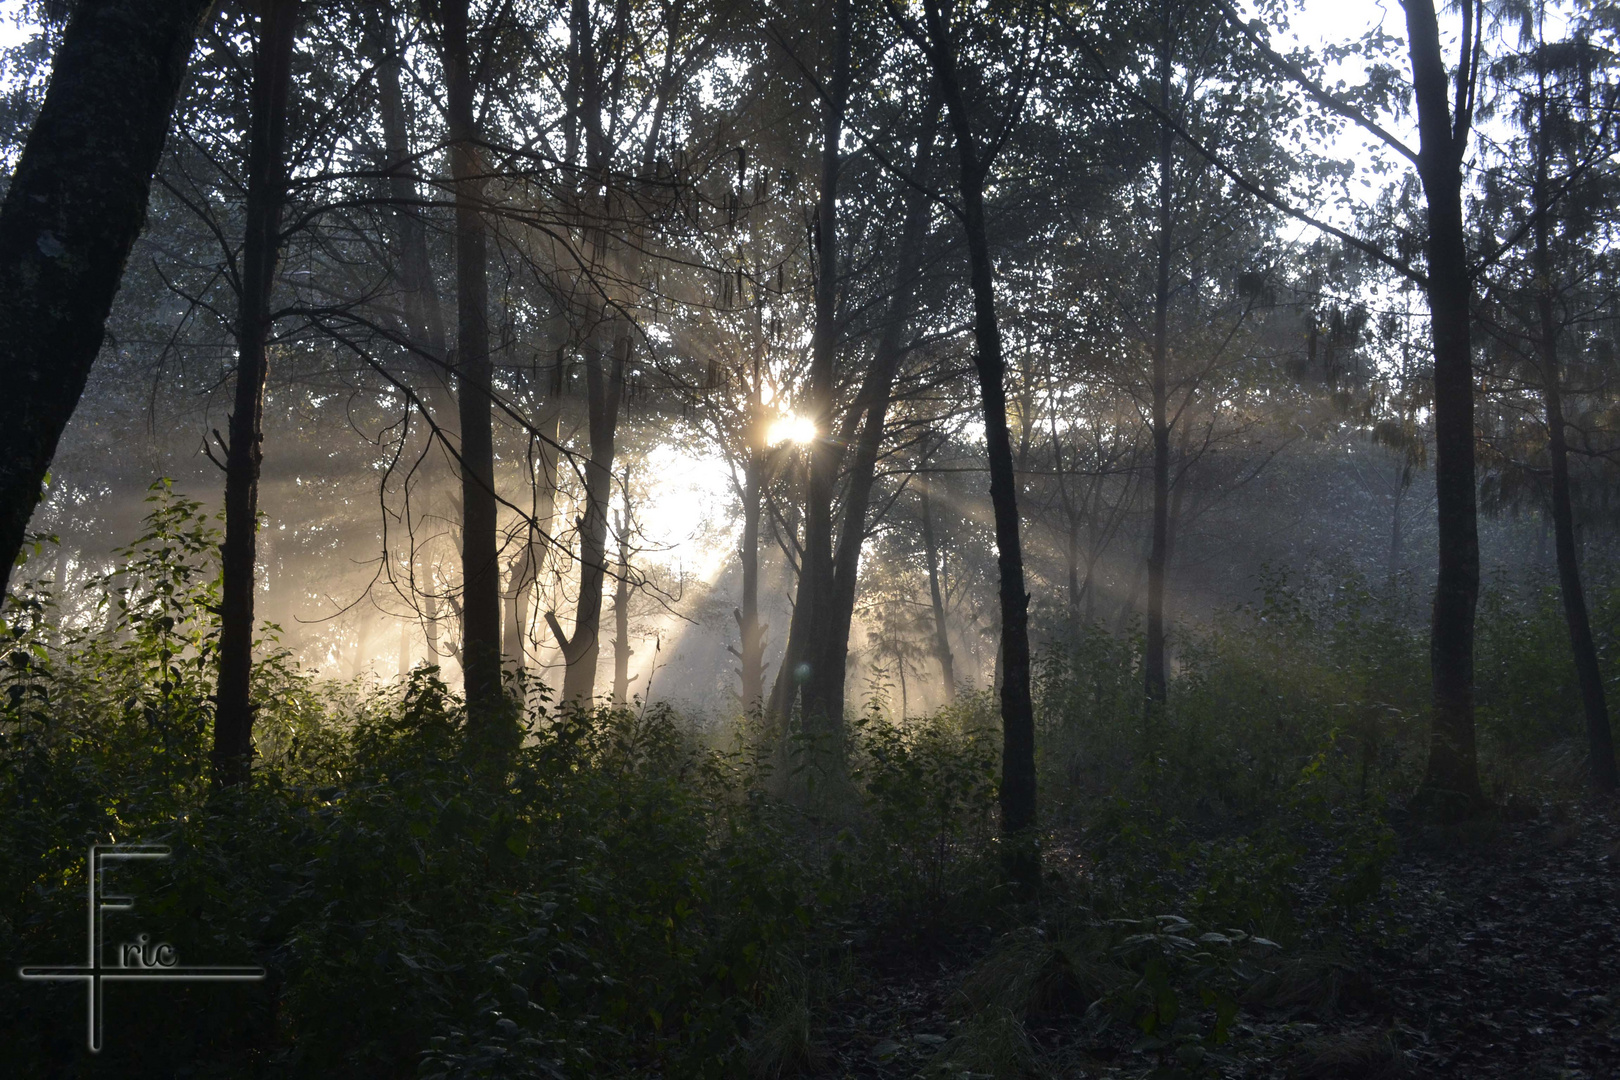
813 607
604 382
595 66
751 646
1017 706
520 578
1071 539
1600 739
936 596
1153 659
261 250
1451 785
1395 530
430 613
423 311
530 563
488 719
621 609
830 655
421 307
76 203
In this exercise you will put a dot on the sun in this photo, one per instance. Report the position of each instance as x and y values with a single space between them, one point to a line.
793 428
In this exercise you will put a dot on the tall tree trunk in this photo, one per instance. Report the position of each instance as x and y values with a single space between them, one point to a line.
1172 532
1153 659
519 587
597 60
76 203
751 647
604 383
621 607
1600 739
1395 538
936 596
1071 538
1451 785
829 642
488 720
430 616
261 250
423 311
1017 705
812 609
420 303
530 562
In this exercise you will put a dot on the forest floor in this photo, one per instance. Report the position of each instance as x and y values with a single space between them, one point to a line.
1494 954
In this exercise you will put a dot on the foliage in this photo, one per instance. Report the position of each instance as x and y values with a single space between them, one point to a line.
929 785
630 899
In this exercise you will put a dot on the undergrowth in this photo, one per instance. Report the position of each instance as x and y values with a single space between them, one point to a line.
630 897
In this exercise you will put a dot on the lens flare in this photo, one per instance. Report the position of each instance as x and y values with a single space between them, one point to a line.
796 429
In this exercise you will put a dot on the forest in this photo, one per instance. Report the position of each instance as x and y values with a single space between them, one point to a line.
971 539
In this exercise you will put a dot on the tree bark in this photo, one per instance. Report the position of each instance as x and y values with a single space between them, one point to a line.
76 203
488 719
530 563
1153 659
751 646
423 311
604 383
1451 785
829 642
1017 706
430 615
261 251
936 597
621 608
421 307
1600 739
821 715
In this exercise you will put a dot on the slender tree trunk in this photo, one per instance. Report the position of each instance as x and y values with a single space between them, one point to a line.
430 617
830 641
621 609
520 577
936 597
751 646
530 562
605 375
813 610
1017 706
489 721
420 303
1071 538
1451 786
900 668
1600 739
582 649
1395 530
1172 532
261 250
1153 660
404 647
424 313
76 203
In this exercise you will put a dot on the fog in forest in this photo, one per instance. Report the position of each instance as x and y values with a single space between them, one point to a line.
882 538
